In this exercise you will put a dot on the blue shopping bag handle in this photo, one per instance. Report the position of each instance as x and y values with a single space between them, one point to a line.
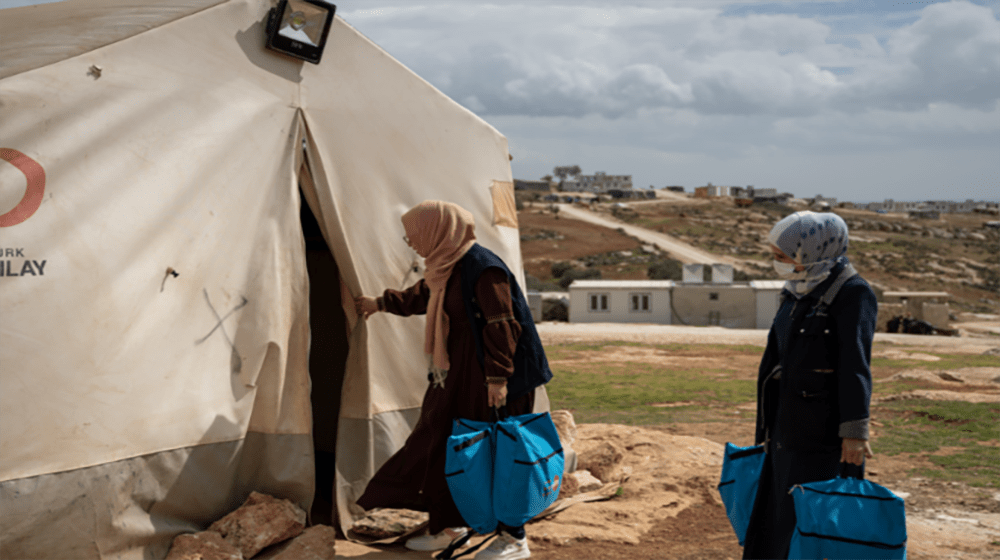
850 470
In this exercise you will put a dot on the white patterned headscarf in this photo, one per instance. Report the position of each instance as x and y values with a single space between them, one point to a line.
816 240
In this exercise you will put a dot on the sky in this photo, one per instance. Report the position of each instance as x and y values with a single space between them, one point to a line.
861 100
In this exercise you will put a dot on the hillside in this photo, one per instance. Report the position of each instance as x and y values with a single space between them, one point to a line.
957 254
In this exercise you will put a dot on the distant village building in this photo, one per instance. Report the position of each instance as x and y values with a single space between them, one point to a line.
923 306
692 301
925 214
768 299
771 195
712 191
822 202
746 193
634 193
525 185
940 206
719 191
620 301
598 183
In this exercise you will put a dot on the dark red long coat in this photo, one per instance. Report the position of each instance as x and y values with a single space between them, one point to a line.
413 478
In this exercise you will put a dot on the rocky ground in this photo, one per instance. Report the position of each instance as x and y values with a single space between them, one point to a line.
669 507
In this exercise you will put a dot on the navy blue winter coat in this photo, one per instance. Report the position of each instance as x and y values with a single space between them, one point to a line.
531 367
825 381
821 396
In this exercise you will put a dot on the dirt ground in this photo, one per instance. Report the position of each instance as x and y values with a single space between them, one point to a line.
669 506
944 519
572 239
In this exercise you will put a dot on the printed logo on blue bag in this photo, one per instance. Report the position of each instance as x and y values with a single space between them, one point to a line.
551 486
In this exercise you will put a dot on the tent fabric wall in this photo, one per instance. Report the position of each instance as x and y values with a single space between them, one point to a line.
72 28
376 147
137 404
130 411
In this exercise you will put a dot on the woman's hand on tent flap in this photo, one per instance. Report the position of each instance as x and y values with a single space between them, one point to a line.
365 306
855 451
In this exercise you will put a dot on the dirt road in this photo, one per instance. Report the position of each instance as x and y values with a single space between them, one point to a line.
554 332
675 248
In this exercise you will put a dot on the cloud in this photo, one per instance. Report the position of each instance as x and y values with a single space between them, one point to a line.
561 60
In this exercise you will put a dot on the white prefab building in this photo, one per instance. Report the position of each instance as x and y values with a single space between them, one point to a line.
620 301
724 305
735 305
768 294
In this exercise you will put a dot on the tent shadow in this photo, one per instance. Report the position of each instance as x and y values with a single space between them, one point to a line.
189 505
252 40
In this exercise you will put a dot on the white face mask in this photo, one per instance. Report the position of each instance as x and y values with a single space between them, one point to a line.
787 270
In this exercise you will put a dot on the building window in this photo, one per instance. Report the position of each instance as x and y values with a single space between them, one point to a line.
713 296
598 303
639 303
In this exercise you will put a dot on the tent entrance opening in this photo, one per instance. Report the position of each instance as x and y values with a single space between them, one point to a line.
327 355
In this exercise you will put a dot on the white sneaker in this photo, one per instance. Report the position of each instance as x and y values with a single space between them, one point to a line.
505 547
440 541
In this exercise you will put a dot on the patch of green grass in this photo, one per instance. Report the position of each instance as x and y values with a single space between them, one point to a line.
699 349
897 387
948 361
923 426
624 393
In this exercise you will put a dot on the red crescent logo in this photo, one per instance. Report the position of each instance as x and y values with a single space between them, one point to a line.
32 195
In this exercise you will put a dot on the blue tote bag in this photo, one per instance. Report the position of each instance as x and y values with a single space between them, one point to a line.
741 468
847 518
469 472
528 469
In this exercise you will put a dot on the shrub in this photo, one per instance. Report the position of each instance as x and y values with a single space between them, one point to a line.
536 285
560 268
573 274
554 310
667 269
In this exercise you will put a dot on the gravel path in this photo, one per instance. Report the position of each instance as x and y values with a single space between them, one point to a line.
557 332
673 246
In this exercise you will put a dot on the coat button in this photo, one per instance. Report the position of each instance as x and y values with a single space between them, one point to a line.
826 331
802 330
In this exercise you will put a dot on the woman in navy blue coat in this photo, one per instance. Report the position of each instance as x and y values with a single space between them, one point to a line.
814 383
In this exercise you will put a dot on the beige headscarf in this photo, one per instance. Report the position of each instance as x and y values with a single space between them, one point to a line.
442 233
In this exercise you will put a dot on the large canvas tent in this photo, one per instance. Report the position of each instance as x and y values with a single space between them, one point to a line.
165 322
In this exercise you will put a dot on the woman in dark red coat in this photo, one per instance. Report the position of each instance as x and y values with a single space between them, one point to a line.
460 385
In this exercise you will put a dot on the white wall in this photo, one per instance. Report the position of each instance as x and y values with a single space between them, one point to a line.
768 302
619 305
727 305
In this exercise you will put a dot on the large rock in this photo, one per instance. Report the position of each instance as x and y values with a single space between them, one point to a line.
316 543
569 487
585 481
207 545
386 523
260 522
602 460
949 376
566 427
